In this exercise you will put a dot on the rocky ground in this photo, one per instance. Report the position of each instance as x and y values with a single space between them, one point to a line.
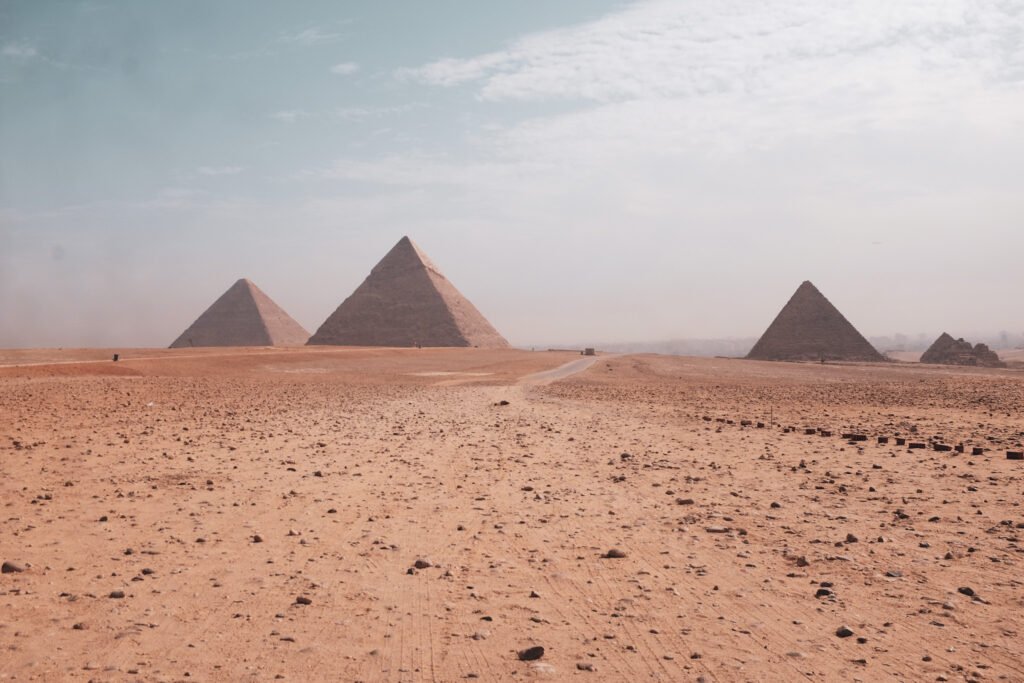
433 516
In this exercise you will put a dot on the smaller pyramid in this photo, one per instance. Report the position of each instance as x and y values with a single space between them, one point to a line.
939 349
948 351
810 328
243 316
407 301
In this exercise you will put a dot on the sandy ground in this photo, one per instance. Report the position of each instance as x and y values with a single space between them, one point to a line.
212 490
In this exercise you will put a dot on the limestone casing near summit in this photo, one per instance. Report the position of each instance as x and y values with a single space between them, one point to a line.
407 301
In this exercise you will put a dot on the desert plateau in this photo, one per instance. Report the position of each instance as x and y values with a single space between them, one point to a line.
410 515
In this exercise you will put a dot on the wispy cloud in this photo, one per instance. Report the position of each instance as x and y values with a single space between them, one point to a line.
19 50
290 115
345 68
219 170
665 48
356 113
311 36
346 113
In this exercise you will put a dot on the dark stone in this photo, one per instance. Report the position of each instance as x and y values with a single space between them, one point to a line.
531 654
843 632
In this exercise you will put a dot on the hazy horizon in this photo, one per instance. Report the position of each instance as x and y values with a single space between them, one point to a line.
609 171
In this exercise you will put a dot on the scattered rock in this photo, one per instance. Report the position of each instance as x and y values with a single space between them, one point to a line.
843 632
531 653
11 568
614 553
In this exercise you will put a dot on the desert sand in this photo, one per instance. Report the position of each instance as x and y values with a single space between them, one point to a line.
426 515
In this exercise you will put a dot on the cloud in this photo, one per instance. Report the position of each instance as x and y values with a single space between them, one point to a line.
19 51
310 36
346 113
358 113
219 170
345 68
290 115
779 48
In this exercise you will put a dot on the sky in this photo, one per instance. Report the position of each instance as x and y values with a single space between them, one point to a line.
585 170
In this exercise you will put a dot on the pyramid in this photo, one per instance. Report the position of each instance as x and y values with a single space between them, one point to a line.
810 328
948 351
939 349
243 316
406 301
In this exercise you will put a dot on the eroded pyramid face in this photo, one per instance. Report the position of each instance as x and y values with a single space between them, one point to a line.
243 316
810 328
407 301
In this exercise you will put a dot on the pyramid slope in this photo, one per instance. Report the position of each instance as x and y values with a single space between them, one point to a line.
939 348
809 327
243 316
406 301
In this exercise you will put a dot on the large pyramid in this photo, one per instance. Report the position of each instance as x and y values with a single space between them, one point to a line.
243 316
406 301
810 328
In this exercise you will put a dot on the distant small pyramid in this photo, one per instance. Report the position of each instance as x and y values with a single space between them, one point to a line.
243 316
810 328
406 301
948 351
939 348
